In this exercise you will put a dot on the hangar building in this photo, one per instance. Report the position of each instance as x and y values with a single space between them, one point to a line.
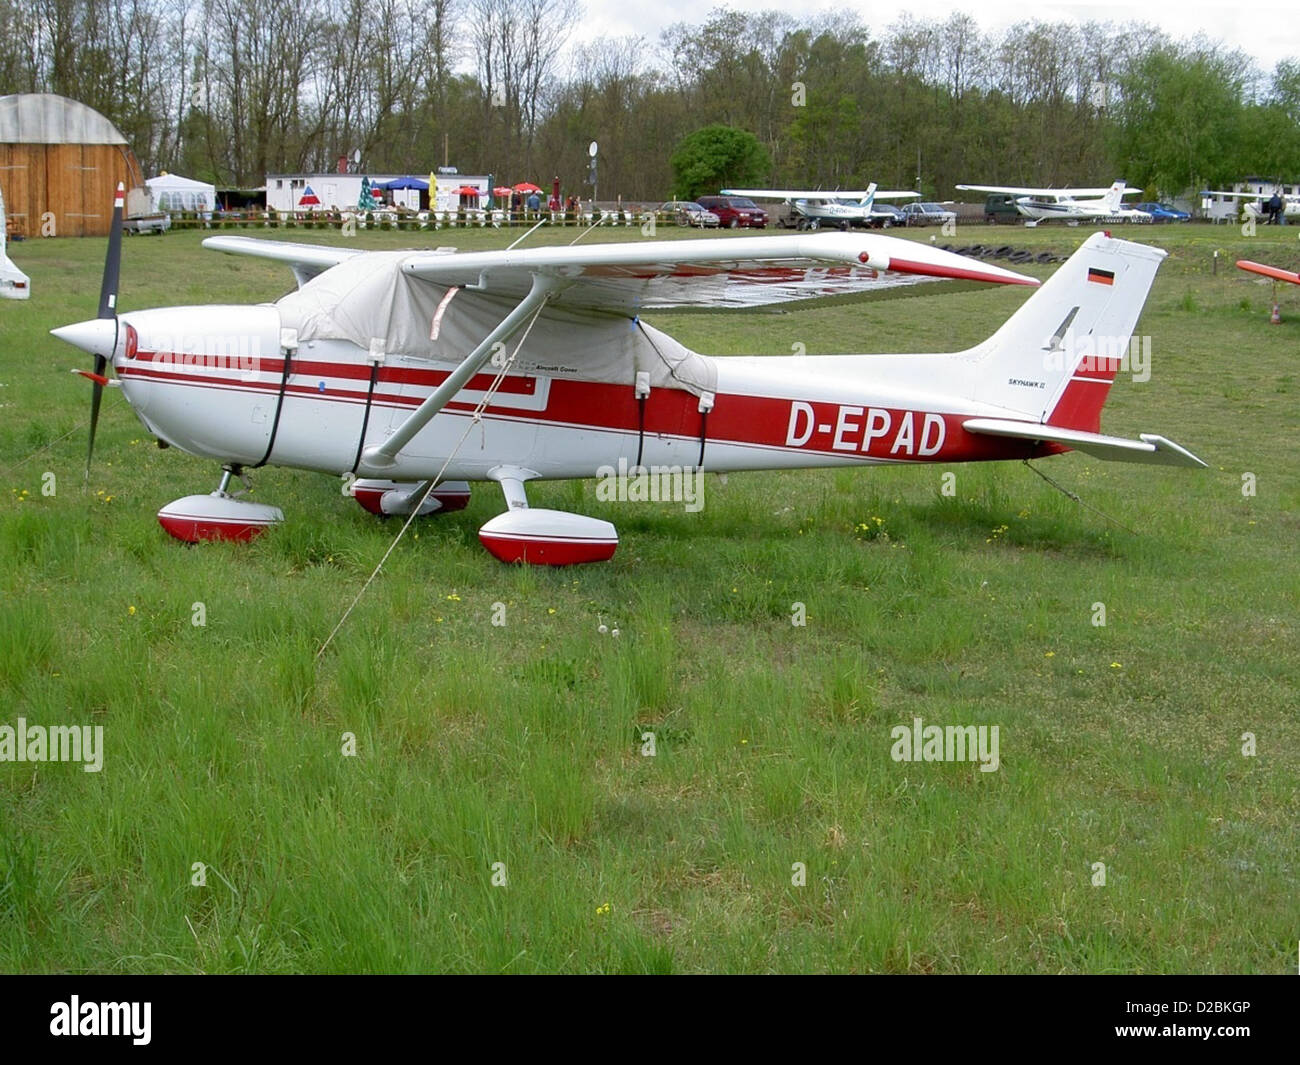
60 162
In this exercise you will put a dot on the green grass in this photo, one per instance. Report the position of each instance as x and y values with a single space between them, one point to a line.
521 744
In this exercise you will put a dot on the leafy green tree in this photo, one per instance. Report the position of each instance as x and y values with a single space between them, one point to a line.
1179 125
715 157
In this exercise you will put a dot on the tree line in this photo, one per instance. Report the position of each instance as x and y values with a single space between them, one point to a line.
229 90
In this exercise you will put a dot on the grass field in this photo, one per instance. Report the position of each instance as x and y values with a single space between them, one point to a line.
522 744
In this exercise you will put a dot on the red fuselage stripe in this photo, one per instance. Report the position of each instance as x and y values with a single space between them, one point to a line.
827 429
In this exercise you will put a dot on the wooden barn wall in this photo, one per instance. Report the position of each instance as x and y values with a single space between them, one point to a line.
74 181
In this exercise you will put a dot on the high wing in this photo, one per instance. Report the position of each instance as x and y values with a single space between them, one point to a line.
821 194
722 273
306 260
625 279
1014 190
1274 272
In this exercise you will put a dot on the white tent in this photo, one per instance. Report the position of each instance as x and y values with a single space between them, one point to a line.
171 192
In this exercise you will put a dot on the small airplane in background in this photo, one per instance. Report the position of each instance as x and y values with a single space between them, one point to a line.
14 284
817 208
1069 205
418 371
1256 203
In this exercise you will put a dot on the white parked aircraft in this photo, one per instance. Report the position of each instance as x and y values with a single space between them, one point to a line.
1256 203
815 208
14 284
418 371
1070 205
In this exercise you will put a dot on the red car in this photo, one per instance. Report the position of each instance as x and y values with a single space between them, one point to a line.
735 211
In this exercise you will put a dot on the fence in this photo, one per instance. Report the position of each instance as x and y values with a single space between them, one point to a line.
424 220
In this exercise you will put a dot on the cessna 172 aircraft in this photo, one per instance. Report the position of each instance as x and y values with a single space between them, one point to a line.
14 284
820 207
1070 205
381 366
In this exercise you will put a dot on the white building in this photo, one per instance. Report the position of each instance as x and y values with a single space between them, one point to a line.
336 192
1219 208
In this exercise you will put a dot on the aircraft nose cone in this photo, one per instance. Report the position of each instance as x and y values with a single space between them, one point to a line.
98 336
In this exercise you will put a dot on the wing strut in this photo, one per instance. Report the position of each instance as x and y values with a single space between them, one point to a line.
385 455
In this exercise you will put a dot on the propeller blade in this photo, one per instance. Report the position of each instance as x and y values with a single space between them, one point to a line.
96 395
113 261
107 310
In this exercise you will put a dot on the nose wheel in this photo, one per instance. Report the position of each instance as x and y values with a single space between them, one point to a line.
219 515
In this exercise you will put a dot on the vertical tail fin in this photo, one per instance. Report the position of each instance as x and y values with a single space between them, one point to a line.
870 197
1114 199
1054 360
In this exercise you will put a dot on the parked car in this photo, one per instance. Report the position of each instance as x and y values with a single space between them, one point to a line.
1163 212
689 213
734 211
1001 207
886 216
927 214
158 222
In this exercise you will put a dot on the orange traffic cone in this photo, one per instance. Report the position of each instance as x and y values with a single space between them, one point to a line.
1275 318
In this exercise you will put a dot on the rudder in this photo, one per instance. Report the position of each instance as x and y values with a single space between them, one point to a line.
1055 359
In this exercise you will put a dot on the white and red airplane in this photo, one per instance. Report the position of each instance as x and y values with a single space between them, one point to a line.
1069 205
419 371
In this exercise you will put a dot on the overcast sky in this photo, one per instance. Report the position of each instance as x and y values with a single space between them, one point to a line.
1268 31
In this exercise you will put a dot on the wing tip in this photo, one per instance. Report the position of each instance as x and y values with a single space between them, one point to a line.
961 273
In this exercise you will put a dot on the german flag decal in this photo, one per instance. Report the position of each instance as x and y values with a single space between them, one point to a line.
1102 277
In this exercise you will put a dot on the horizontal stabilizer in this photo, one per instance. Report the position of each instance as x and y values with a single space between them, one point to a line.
1150 448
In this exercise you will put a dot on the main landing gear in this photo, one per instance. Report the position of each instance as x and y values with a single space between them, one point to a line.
543 537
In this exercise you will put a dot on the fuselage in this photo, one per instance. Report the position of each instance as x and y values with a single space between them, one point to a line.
834 210
1043 208
216 382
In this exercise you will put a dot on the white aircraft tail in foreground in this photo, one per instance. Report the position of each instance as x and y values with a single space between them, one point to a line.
420 371
14 284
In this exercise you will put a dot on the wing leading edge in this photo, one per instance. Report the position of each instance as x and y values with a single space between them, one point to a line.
719 273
